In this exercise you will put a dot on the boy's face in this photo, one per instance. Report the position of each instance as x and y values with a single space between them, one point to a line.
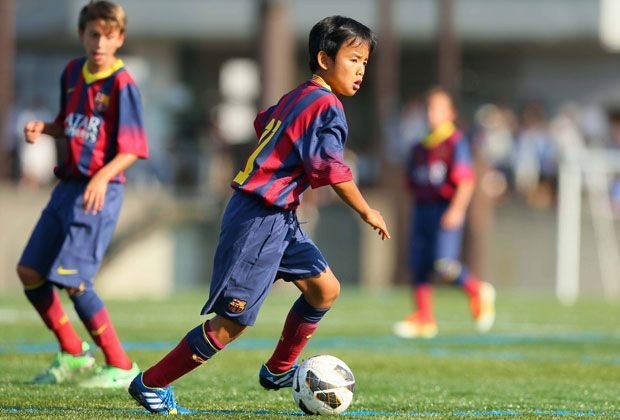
439 110
100 43
344 74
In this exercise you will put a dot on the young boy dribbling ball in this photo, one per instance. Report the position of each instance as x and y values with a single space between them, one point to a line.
441 179
301 144
101 119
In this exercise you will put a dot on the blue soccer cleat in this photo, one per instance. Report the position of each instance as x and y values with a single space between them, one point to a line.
156 400
276 381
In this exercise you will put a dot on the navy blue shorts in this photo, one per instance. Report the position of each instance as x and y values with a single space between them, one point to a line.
67 246
257 246
431 245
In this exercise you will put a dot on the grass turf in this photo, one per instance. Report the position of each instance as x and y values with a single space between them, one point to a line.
542 360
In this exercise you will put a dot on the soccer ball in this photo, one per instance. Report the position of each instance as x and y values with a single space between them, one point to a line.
323 385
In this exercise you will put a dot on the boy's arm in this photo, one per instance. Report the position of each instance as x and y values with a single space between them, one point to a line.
94 195
34 129
455 214
350 194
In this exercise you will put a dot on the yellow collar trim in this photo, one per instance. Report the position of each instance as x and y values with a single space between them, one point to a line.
318 79
439 135
93 77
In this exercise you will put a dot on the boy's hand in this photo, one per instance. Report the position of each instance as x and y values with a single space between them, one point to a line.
374 219
94 195
33 130
453 218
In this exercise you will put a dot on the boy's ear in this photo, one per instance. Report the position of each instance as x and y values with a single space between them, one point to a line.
323 60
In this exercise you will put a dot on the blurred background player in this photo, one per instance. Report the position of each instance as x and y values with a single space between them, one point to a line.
301 144
101 118
441 179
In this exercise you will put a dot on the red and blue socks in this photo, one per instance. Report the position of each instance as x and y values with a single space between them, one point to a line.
46 301
96 319
300 324
471 285
198 346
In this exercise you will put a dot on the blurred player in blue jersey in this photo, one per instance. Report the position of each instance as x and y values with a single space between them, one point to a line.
300 144
441 178
100 118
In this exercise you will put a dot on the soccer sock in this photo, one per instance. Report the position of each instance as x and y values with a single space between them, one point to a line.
422 296
47 303
198 346
300 324
471 285
97 321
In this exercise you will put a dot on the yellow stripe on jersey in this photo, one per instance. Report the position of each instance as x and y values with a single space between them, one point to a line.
439 135
93 77
269 132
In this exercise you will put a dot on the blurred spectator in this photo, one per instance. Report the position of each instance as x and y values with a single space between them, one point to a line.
36 161
566 130
535 158
411 127
495 141
614 130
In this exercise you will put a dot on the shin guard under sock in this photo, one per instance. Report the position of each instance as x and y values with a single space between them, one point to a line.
198 346
46 301
300 324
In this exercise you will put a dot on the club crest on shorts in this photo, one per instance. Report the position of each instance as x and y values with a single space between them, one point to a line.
236 305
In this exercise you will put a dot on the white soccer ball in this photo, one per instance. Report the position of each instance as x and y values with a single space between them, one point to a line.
323 385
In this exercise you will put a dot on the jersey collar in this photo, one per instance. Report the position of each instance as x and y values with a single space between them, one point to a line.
93 77
439 135
320 81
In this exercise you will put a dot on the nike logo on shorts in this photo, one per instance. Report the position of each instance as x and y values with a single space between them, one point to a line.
65 271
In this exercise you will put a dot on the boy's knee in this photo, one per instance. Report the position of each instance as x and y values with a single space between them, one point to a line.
75 291
28 276
448 270
226 330
333 292
326 294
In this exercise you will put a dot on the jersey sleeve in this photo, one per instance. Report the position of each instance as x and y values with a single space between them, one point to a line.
131 135
323 153
462 167
62 112
261 120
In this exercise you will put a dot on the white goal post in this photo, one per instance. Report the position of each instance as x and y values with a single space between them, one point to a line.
587 170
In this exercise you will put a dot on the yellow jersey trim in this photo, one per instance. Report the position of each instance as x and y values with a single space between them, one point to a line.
318 79
439 135
93 77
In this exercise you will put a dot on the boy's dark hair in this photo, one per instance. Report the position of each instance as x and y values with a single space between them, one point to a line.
112 14
332 32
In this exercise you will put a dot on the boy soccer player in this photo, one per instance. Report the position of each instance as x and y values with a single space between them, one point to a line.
301 144
101 119
441 178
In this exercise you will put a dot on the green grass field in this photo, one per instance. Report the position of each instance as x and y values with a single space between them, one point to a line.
542 360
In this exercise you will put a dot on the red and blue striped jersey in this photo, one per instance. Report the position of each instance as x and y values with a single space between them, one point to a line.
102 116
438 164
301 144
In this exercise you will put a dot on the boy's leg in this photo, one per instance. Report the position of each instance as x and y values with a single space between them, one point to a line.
451 270
151 389
318 294
118 370
43 296
74 355
421 322
94 315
